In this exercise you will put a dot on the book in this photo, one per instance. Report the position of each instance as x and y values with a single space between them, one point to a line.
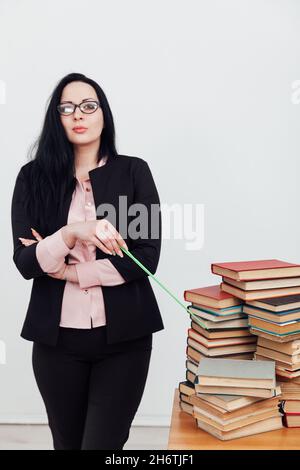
230 324
244 391
292 406
197 356
221 333
211 296
221 350
259 294
225 372
186 407
222 312
190 377
191 366
279 365
280 317
271 327
186 388
288 359
290 390
291 348
275 337
218 342
226 402
278 304
263 283
269 424
291 409
213 316
257 269
235 423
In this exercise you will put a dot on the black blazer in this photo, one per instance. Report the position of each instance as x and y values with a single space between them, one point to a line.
131 308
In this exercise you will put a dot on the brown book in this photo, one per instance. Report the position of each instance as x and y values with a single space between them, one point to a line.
256 407
225 402
290 391
279 329
190 376
291 348
264 283
274 317
291 406
237 423
257 269
228 333
285 373
220 342
269 424
229 373
292 420
259 294
279 356
228 311
219 334
278 364
247 392
274 337
186 388
211 296
196 355
186 407
278 304
221 351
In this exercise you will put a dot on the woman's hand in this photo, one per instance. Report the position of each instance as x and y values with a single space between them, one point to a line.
97 232
27 241
66 272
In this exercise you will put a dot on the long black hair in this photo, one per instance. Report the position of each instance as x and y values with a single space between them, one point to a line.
52 172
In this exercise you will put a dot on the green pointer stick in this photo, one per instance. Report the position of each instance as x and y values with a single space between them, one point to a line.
158 282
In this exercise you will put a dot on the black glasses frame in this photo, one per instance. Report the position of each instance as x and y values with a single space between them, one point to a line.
78 106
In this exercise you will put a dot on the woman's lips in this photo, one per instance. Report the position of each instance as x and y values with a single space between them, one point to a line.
79 130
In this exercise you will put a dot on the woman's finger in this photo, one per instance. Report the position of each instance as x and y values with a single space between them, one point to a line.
26 241
117 236
114 242
36 234
100 245
105 238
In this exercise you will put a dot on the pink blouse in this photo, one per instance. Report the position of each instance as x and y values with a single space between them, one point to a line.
83 303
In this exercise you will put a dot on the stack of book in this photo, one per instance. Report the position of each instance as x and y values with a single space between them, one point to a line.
254 280
236 398
270 290
219 327
186 391
286 356
277 319
256 300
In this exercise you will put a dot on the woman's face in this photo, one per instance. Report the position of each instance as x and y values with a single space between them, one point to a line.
76 92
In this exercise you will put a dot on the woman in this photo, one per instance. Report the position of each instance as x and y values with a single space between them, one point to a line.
92 310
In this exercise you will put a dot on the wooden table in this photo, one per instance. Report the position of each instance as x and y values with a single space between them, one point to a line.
184 434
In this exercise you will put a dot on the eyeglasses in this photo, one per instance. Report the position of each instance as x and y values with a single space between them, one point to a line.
87 107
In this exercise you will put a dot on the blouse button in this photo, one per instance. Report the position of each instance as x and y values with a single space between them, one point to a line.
87 189
85 291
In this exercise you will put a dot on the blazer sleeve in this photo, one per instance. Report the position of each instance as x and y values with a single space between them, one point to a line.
24 256
146 250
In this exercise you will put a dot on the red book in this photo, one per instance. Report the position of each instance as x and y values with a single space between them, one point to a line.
211 296
255 270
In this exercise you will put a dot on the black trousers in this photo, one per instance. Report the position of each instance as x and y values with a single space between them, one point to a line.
91 389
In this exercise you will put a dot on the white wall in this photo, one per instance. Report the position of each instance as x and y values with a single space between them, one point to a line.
199 89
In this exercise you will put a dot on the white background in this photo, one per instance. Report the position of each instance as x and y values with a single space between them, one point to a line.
202 90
